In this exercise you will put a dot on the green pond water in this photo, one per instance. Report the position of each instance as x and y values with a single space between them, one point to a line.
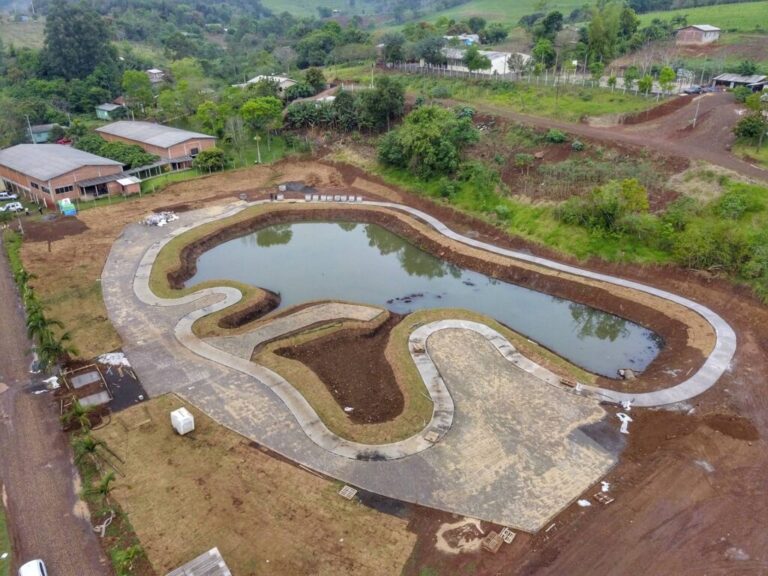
367 264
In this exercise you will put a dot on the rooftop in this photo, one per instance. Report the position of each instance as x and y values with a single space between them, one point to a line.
108 107
280 80
46 161
740 79
208 564
149 133
703 27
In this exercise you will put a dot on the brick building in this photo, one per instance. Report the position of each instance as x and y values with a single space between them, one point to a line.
51 172
174 146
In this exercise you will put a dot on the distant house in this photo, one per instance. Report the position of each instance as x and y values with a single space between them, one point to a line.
499 60
51 172
283 82
155 75
41 133
175 147
108 111
756 81
466 39
697 34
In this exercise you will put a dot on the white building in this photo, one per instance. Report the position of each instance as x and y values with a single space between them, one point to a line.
283 82
500 61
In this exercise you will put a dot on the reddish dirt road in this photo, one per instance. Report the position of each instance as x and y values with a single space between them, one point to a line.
671 134
45 516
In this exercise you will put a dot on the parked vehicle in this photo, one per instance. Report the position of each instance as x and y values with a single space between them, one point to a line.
33 568
693 89
12 207
8 196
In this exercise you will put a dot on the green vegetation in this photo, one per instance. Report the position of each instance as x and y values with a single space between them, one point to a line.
131 155
726 235
741 17
5 544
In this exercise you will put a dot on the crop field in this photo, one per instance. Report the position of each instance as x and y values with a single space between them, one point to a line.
741 17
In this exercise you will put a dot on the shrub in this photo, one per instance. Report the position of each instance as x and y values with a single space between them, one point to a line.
741 93
210 160
680 212
577 145
447 188
440 92
556 136
736 203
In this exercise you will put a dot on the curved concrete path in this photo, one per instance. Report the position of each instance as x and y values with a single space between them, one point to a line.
308 419
475 470
708 374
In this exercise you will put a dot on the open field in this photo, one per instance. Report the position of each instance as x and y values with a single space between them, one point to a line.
503 11
752 154
566 102
265 515
22 34
741 17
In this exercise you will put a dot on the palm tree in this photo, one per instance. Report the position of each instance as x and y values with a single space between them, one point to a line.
86 445
77 414
52 349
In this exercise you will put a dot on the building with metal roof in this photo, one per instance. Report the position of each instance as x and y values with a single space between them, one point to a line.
167 142
697 34
209 563
754 81
282 82
51 172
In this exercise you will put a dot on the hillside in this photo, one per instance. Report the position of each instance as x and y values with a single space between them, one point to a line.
742 17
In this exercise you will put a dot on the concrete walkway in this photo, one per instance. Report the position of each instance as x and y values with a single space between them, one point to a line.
250 400
714 366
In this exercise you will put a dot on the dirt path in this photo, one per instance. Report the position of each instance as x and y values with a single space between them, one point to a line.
45 514
671 134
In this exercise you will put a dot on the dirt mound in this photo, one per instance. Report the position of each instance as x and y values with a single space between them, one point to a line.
734 426
657 111
363 380
52 230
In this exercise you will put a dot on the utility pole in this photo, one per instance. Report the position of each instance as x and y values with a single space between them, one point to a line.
696 114
29 127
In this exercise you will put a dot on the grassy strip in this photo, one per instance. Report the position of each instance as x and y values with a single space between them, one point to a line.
741 17
12 241
566 102
5 545
751 154
120 541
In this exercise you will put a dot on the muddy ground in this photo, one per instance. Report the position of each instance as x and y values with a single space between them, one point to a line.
363 381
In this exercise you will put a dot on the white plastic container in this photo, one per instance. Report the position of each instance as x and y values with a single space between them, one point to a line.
182 421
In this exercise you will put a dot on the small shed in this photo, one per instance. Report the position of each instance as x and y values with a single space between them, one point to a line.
107 111
697 34
41 133
753 81
155 75
208 564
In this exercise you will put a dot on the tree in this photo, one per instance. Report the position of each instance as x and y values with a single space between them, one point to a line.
473 60
345 111
631 75
429 143
378 107
603 31
213 117
596 70
494 33
612 81
746 68
393 47
548 27
76 41
431 50
315 78
645 84
77 416
210 160
476 24
544 52
667 79
300 90
137 89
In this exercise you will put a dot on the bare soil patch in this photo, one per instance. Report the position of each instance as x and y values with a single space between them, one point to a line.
362 380
55 229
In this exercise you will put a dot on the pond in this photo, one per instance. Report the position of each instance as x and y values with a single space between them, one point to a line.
367 264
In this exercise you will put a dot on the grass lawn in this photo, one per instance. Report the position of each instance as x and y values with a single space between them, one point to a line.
5 545
22 34
741 17
566 102
265 515
750 153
